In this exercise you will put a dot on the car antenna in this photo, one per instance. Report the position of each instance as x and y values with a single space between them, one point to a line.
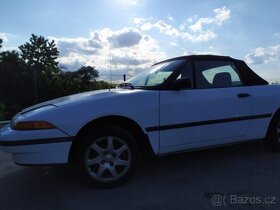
110 63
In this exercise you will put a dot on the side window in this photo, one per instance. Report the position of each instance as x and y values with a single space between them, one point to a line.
216 74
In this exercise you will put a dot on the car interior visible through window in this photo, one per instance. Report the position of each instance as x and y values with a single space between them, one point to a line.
216 74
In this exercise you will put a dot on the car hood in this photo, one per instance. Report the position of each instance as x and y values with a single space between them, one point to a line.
91 95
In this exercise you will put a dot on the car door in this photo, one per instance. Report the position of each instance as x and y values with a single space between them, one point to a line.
214 111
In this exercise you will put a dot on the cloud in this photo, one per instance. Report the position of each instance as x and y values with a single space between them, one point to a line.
138 21
125 38
132 49
125 50
128 60
204 36
188 52
166 28
197 26
222 14
161 25
4 37
95 41
78 45
174 32
191 30
263 55
72 62
7 37
170 18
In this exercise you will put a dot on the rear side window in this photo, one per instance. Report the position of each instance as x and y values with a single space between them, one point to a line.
216 74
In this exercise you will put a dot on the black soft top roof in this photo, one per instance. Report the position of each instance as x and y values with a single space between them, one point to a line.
249 76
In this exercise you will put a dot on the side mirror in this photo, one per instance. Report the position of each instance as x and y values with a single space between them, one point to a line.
182 83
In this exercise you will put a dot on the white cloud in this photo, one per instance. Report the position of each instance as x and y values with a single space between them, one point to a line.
222 14
190 30
4 36
197 26
204 36
170 18
182 27
161 25
263 55
166 28
128 60
7 37
189 20
138 21
146 27
128 49
211 52
132 49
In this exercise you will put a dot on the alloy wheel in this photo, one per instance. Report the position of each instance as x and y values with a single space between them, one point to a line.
108 158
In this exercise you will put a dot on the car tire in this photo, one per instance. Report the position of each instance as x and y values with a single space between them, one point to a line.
107 156
273 138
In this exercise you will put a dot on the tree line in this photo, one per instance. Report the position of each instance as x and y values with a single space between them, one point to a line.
32 74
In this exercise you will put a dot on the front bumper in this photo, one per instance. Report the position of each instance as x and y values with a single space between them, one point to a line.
36 147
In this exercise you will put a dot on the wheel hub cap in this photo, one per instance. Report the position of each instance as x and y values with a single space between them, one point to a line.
108 158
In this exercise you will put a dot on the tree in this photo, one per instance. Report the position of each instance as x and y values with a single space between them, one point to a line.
86 76
40 55
15 87
37 62
1 42
40 52
2 111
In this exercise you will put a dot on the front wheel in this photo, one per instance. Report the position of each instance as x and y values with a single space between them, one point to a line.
273 138
108 156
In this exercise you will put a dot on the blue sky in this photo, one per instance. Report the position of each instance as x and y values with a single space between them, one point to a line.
137 33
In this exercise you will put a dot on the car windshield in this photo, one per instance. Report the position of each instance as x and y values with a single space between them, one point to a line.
155 75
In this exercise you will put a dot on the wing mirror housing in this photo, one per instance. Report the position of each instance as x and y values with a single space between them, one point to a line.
182 83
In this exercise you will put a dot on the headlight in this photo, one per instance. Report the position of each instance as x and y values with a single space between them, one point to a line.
31 125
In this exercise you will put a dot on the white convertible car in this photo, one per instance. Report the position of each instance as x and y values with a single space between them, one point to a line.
180 104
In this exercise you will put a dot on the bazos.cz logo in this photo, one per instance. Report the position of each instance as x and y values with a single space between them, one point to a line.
232 199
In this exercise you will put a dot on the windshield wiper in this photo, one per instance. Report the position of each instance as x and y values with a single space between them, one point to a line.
126 85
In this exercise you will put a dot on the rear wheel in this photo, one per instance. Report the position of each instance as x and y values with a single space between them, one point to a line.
108 156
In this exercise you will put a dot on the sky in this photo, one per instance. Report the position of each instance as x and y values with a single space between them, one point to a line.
127 36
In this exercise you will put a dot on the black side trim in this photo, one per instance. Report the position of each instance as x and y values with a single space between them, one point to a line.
208 122
35 141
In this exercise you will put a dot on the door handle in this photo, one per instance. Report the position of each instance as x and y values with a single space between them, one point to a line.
243 95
